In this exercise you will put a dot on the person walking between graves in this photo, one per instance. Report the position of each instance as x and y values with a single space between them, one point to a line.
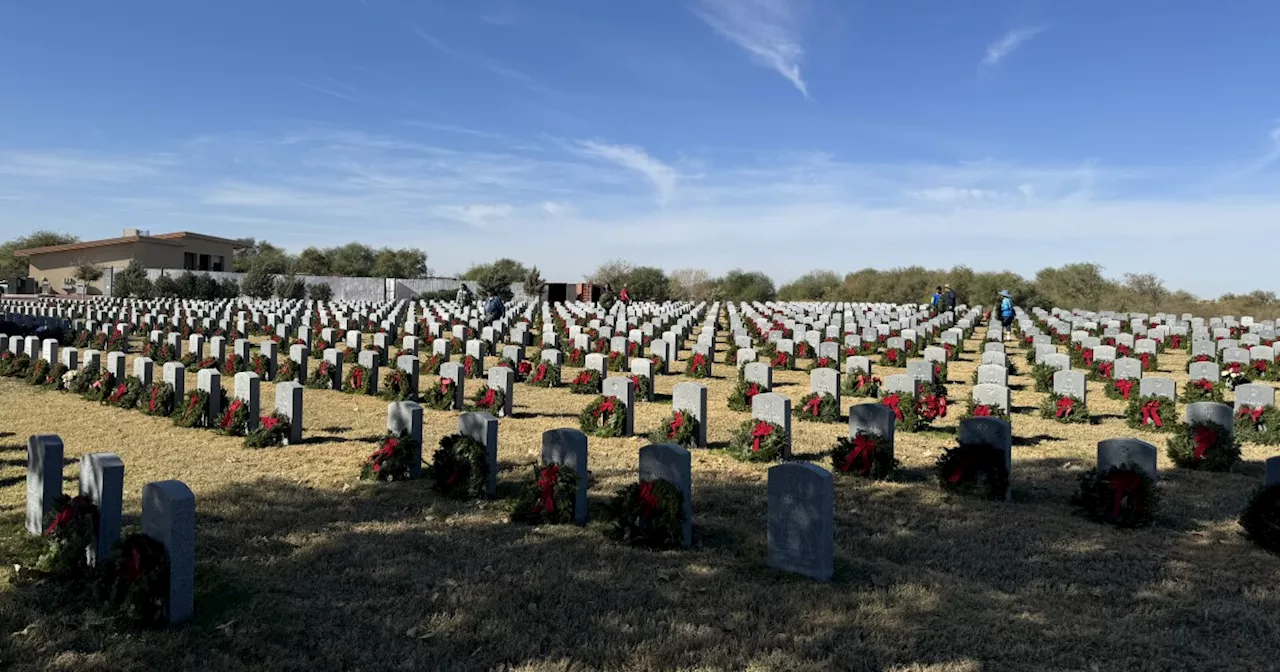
464 295
937 297
623 296
951 297
493 307
1006 311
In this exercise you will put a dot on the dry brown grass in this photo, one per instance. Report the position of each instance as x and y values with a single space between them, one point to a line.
302 567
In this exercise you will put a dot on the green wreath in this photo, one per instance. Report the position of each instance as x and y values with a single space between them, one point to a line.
260 365
101 388
576 357
1152 414
54 381
973 469
642 385
491 399
272 430
649 514
287 371
976 410
192 411
1202 390
69 530
471 366
1261 518
83 378
586 382
1125 496
865 454
157 399
605 417
893 357
358 380
659 364
233 365
1042 374
861 385
1121 389
322 378
38 372
1150 361
744 393
234 419
431 365
135 579
459 468
617 361
1064 409
125 393
1204 445
699 366
19 366
393 460
759 441
905 412
545 374
1258 425
816 407
680 428
549 498
397 385
440 395
822 363
940 372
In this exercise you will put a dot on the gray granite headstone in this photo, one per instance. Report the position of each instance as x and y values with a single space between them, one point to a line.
856 364
502 378
1254 395
300 356
410 365
1058 361
625 391
759 373
169 517
901 384
801 515
1271 474
455 372
210 382
44 478
644 369
1119 452
1211 411
483 429
993 375
692 398
370 360
1070 384
568 447
289 404
825 381
1204 371
175 375
406 416
993 431
986 394
102 480
246 390
872 419
1158 387
673 464
776 409
1127 368
143 370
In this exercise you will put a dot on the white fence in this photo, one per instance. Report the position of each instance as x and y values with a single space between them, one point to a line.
354 289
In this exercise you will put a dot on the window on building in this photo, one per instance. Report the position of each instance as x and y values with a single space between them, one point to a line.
204 262
217 263
189 261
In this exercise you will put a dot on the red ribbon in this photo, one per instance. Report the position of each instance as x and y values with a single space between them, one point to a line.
823 362
1124 387
960 469
540 374
982 411
864 447
780 359
1203 384
1204 438
1151 413
1064 406
487 401
523 368
547 489
357 378
752 390
676 423
1122 485
268 422
648 500
1254 414
894 402
1175 341
933 406
892 355
1087 355
606 406
699 360
1146 360
812 406
68 514
1260 366
760 431
1105 369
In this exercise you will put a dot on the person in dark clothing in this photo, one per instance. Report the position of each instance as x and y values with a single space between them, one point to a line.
951 297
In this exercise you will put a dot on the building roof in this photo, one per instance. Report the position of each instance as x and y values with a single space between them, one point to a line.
163 239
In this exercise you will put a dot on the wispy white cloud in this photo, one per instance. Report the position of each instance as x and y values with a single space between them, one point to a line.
478 61
64 166
450 128
326 90
953 194
768 30
1000 49
662 176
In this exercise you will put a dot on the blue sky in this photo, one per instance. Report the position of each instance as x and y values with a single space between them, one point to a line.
780 135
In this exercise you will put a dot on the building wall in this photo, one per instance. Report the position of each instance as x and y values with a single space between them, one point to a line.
60 267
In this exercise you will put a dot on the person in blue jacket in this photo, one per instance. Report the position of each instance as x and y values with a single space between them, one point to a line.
1006 310
937 297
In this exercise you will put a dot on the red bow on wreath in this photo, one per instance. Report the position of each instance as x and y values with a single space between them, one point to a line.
752 390
1175 341
1105 369
1254 414
1065 406
1204 438
1124 387
606 406
1121 486
1146 360
894 402
699 360
68 514
1234 367
1203 384
540 374
1260 366
487 401
268 422
648 500
760 431
357 378
119 392
547 489
1087 355
780 359
933 406
523 368
676 423
1151 414
892 356
960 469
982 411
863 447
445 384
812 406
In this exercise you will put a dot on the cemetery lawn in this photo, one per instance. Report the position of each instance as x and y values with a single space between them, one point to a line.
301 566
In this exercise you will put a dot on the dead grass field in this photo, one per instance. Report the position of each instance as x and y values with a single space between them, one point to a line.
300 566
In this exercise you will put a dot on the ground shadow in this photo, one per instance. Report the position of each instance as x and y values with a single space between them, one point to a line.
321 439
1036 440
335 429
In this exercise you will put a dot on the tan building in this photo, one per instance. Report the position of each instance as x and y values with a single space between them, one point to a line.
53 268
